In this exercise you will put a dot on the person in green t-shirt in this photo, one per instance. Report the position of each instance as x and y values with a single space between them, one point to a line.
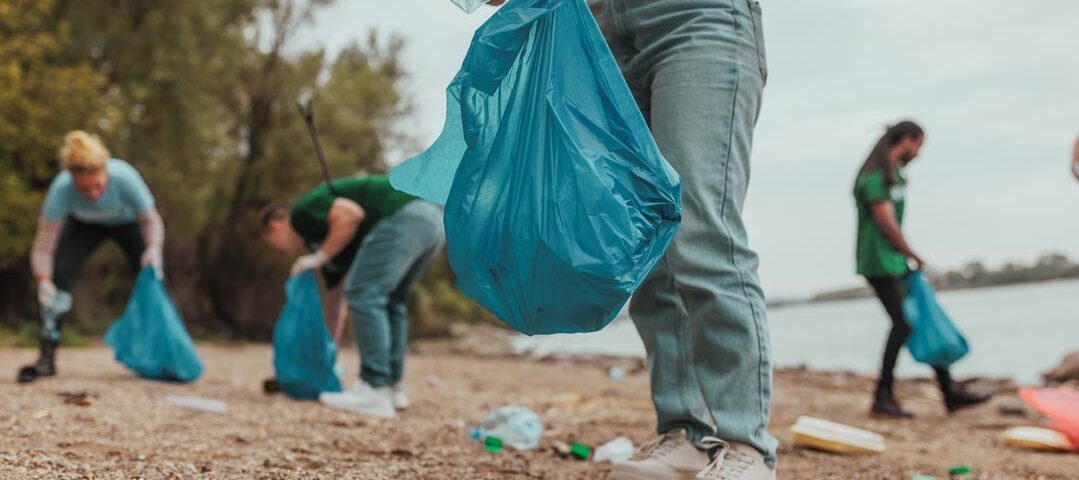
883 257
371 243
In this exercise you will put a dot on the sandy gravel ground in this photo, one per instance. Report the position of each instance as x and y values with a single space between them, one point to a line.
130 431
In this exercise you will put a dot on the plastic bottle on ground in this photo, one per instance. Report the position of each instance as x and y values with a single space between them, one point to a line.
617 450
198 403
518 427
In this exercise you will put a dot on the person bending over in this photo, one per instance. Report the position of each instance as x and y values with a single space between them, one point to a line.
95 198
372 244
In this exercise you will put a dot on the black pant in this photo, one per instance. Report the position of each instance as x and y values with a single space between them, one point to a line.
892 291
79 240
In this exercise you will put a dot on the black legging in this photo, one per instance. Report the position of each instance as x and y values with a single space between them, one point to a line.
892 291
79 240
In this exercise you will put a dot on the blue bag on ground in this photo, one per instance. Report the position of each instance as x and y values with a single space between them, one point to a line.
934 340
558 202
303 350
150 338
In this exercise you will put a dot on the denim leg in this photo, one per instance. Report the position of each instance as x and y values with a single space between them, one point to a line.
383 261
398 306
700 64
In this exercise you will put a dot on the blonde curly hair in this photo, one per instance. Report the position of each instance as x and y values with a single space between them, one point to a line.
83 153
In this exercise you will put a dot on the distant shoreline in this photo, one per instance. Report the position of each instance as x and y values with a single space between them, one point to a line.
859 293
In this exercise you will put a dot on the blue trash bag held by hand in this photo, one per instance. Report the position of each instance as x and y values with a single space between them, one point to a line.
150 338
934 340
303 350
558 202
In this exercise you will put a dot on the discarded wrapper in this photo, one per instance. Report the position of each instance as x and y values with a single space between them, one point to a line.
1035 438
835 437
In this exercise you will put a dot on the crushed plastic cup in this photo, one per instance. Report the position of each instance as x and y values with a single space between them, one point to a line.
617 450
517 427
201 404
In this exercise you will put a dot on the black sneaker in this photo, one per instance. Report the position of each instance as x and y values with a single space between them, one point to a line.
959 399
33 372
44 367
886 406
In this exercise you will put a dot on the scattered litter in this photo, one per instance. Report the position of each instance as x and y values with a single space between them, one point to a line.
920 476
561 449
959 471
518 427
38 415
1035 438
617 373
82 399
580 451
835 437
201 404
493 444
1060 406
616 450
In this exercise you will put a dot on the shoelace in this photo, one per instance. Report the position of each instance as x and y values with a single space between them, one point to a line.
725 462
659 446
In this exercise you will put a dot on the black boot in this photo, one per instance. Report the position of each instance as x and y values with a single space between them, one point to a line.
957 398
885 404
44 367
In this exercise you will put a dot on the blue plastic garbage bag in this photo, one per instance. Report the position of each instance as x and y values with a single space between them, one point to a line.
934 340
303 349
469 5
558 202
150 337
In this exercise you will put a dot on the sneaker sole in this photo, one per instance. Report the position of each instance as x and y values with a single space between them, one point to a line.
617 474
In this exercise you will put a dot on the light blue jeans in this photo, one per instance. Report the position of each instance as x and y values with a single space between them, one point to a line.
697 69
390 260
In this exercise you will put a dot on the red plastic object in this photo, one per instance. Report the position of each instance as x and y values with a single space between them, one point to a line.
1059 405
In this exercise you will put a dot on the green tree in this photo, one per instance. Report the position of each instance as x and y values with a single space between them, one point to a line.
43 94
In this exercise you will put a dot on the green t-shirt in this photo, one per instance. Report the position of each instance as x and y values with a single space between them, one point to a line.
374 193
875 255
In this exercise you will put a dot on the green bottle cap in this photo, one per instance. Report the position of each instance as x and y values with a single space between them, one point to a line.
493 448
580 451
959 470
493 442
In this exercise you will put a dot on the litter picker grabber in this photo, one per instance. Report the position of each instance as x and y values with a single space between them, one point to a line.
308 114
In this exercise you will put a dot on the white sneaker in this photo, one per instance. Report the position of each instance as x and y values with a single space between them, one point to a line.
671 456
734 461
400 397
363 399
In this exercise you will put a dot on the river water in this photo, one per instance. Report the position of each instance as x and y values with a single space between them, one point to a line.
1015 331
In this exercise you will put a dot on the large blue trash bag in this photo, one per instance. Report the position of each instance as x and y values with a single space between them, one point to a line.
150 337
934 340
558 202
303 349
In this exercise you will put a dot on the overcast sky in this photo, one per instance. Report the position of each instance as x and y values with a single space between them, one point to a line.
994 82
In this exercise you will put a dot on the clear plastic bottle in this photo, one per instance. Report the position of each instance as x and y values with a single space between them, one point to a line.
616 450
518 427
